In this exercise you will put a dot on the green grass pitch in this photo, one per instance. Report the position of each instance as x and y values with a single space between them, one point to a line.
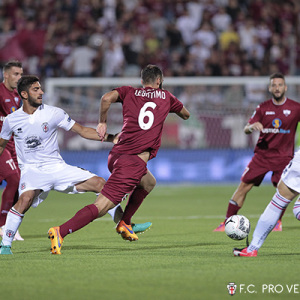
179 258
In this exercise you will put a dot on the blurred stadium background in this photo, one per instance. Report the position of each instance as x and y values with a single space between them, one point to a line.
216 56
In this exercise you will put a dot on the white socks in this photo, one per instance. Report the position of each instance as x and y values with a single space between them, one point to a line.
13 221
113 211
268 220
296 210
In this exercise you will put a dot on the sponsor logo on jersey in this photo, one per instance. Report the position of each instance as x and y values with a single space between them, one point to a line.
7 100
286 112
12 109
270 113
69 119
45 127
2 118
23 186
276 123
19 130
33 142
275 130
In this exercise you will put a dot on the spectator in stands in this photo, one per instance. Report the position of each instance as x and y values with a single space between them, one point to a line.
221 20
80 61
177 24
206 35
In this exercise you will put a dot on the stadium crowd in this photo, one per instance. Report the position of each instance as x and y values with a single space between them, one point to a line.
106 38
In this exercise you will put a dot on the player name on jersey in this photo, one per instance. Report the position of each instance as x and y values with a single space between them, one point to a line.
151 94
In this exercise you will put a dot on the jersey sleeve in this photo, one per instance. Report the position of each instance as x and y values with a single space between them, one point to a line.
123 90
6 131
256 116
176 105
64 120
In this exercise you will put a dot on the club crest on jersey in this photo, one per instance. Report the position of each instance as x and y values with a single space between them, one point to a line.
286 112
12 109
276 123
45 127
17 100
23 186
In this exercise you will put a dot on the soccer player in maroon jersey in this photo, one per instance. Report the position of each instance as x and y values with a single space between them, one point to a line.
144 112
9 171
277 121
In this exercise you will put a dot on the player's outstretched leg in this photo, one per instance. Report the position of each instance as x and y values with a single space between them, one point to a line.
56 240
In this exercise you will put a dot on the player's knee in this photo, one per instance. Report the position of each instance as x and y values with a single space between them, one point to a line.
296 210
100 184
24 203
152 184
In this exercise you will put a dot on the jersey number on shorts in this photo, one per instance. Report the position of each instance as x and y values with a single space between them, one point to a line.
146 113
11 164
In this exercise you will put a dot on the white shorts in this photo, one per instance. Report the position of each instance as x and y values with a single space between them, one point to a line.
59 177
291 175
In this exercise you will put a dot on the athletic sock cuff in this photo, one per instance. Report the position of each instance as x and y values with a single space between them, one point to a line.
15 212
94 210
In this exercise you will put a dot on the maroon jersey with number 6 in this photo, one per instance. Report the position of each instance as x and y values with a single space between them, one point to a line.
144 113
279 127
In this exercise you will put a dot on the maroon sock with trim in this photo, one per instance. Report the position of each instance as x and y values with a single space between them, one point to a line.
232 209
134 202
83 217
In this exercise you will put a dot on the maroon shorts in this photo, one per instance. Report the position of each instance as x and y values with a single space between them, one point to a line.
259 166
126 173
8 166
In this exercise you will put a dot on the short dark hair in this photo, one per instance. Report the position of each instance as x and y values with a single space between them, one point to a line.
277 75
150 73
12 63
25 82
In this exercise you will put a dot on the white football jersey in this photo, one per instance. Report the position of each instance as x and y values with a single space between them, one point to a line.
36 135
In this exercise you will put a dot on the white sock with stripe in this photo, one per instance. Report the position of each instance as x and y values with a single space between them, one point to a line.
268 220
13 221
296 210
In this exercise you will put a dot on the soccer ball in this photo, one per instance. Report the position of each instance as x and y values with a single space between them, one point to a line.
237 227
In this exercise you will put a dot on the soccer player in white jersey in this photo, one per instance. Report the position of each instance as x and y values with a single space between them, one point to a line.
288 188
34 127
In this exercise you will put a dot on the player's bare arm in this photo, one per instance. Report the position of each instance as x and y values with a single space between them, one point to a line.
106 100
91 134
249 128
184 113
2 145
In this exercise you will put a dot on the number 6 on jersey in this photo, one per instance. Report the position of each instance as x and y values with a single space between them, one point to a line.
144 113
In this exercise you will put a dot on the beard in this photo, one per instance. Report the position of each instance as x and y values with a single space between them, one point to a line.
33 103
278 98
